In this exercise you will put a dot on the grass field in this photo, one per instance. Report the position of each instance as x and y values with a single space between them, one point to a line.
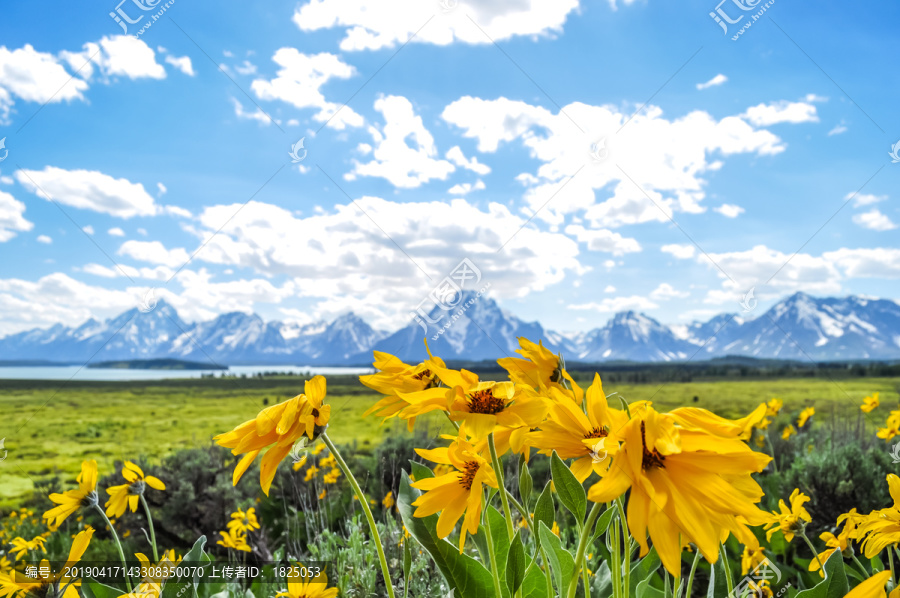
52 427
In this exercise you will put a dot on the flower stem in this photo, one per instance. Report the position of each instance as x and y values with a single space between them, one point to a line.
616 560
891 563
152 533
626 540
582 546
498 470
813 549
728 581
525 515
365 505
690 582
490 540
115 536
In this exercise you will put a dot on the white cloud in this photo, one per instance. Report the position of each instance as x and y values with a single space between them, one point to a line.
681 252
729 210
617 304
838 129
88 229
299 80
154 252
466 188
34 77
89 190
876 262
717 80
11 217
258 115
394 159
604 240
368 29
864 199
665 291
246 68
874 219
182 63
455 155
116 232
176 211
161 188
116 56
764 115
609 289
159 273
44 239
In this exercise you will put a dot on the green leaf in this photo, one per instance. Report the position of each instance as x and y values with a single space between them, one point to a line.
562 563
570 491
176 587
419 471
463 573
535 583
407 563
835 584
603 522
95 589
544 511
644 590
644 569
526 484
516 564
718 585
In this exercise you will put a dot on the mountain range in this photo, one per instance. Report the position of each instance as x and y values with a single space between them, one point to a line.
798 327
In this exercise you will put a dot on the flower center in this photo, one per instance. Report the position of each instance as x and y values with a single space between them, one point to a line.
468 475
315 413
650 459
597 433
429 379
484 401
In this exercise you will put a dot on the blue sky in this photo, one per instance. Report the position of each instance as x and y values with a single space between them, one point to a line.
167 157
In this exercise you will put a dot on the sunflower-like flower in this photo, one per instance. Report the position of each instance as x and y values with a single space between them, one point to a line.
870 403
126 496
54 584
839 542
789 519
751 557
874 587
788 431
458 492
541 369
588 438
278 427
244 521
307 587
892 426
773 407
690 480
85 496
881 528
155 576
805 415
234 539
21 546
394 377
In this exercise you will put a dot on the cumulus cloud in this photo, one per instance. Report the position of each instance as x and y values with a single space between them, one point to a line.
12 220
681 252
116 56
864 199
154 252
874 219
34 76
665 291
764 115
466 188
182 63
258 115
368 29
604 240
715 81
116 232
44 239
729 210
89 190
617 304
455 155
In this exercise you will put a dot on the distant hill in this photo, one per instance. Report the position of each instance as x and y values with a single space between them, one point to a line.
156 364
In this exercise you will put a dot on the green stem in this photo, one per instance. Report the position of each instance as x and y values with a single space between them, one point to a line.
860 565
115 536
365 505
582 545
891 563
626 540
585 579
772 448
616 560
813 549
690 583
504 499
152 533
725 565
490 540
525 515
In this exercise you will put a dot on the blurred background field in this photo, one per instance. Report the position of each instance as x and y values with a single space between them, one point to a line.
50 427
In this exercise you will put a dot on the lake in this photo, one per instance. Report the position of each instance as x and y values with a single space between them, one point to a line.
74 372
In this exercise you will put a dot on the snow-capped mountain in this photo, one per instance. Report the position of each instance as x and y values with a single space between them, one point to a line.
798 327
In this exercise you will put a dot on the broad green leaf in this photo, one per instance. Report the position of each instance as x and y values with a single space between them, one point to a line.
562 563
95 589
516 564
407 565
544 510
176 587
835 584
570 491
526 484
644 590
419 471
718 585
644 568
464 574
535 583
501 543
603 522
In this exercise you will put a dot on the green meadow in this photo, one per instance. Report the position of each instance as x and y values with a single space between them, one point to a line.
50 427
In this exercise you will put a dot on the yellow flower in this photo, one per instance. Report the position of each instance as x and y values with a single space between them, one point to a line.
458 492
308 587
773 407
873 587
690 479
805 415
318 450
21 546
541 369
393 378
322 494
278 427
152 583
71 500
790 519
870 403
764 424
126 496
53 584
244 521
751 557
882 528
332 476
788 432
299 463
587 438
555 529
388 501
234 539
311 473
892 427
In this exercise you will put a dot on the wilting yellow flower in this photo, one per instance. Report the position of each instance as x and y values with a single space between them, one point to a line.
278 427
308 587
690 479
874 587
588 438
388 501
235 540
456 493
21 546
394 377
788 432
790 520
541 368
892 427
53 584
870 403
244 521
773 407
805 415
72 500
126 496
